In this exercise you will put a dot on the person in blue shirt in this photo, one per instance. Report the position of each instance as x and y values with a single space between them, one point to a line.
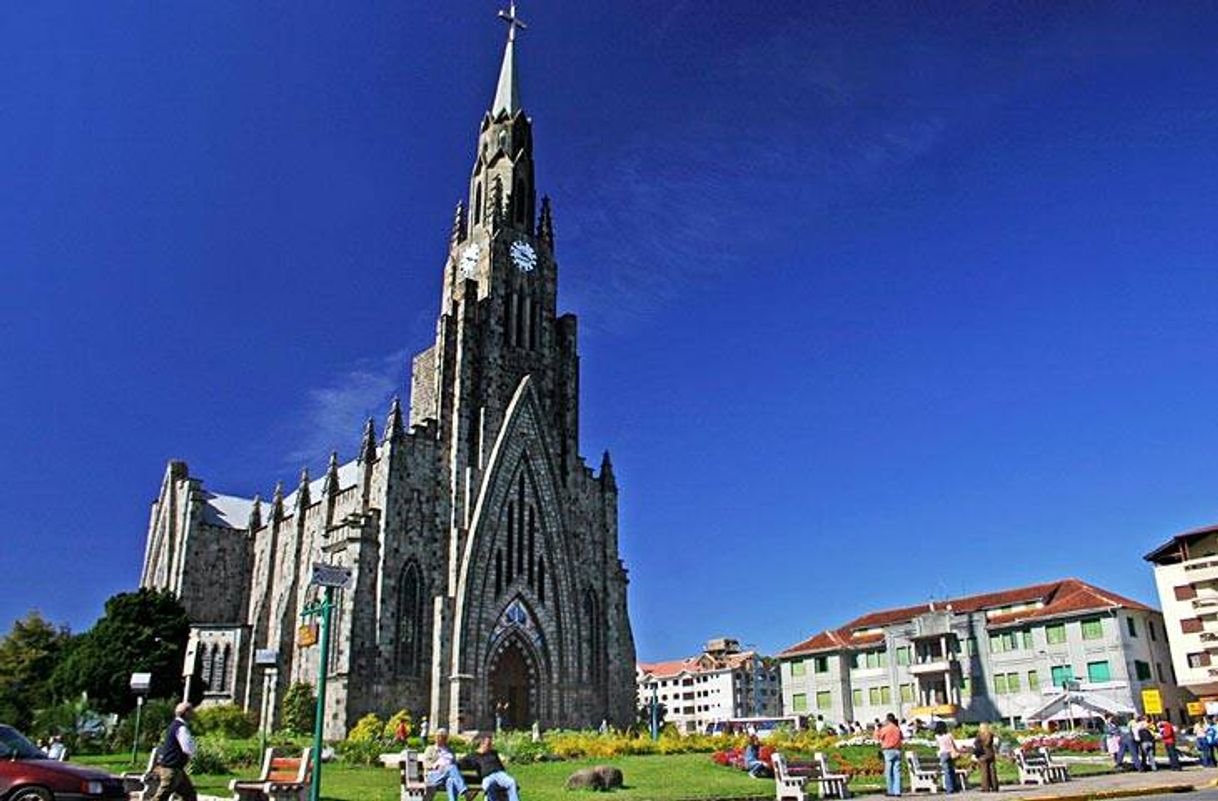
752 760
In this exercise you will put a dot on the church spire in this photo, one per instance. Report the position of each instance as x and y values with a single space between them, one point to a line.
507 95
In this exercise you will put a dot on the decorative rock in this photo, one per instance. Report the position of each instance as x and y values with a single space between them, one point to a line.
585 779
611 777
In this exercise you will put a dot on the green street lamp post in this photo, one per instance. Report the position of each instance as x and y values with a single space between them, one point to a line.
331 578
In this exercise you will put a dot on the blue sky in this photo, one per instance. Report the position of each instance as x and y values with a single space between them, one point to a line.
879 302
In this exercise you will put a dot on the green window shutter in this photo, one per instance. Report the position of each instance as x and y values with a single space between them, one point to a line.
906 692
885 695
1012 682
995 643
1033 680
1061 674
1055 634
1098 671
824 700
856 697
883 658
1027 640
1000 684
873 695
873 659
1132 626
1093 629
799 702
903 655
797 667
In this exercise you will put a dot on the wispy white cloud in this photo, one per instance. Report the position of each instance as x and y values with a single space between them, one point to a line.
333 415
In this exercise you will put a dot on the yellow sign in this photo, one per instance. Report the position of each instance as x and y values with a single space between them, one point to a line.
1152 702
940 710
1196 709
306 635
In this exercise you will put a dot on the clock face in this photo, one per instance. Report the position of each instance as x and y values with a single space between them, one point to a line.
523 256
468 263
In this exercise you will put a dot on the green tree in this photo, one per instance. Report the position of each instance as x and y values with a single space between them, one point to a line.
28 656
299 708
140 632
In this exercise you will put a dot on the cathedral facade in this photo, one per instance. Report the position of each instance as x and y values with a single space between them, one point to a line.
486 576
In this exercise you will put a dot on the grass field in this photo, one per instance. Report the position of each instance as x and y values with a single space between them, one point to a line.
662 778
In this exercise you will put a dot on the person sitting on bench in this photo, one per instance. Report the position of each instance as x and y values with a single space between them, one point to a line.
752 760
440 767
490 769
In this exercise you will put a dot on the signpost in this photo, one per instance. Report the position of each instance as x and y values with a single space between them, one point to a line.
140 684
268 660
330 578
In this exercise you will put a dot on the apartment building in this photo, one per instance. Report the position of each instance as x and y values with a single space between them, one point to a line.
1055 652
720 684
1186 574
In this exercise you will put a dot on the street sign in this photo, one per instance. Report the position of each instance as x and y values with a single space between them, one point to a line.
331 576
141 682
192 653
1196 709
1152 702
306 635
266 657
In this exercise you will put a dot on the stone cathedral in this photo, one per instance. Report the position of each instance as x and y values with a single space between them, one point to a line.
486 576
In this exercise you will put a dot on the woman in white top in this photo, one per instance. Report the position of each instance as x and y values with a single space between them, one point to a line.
948 751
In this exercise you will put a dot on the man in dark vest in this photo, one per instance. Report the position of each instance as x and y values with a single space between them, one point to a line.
173 756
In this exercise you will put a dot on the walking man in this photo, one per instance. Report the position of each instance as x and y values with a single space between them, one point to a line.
175 754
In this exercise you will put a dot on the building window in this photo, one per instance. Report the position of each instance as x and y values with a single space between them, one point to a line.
1093 629
410 621
1055 634
966 686
1190 625
873 696
1026 636
824 700
885 695
907 693
821 664
1141 670
799 702
1033 680
1199 660
797 668
856 697
1061 674
1150 626
1098 671
1000 684
1009 641
903 655
1013 682
1185 592
1159 671
1132 626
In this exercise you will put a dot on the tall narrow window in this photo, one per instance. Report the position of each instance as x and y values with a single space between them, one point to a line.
477 203
521 201
498 572
220 674
511 540
206 655
541 579
522 319
409 640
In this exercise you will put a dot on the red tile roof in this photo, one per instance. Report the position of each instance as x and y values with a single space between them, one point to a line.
702 663
1068 596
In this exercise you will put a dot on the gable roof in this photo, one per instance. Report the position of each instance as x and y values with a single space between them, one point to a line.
702 663
1053 599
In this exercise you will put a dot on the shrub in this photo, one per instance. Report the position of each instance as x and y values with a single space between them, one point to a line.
153 721
360 752
368 729
299 708
390 732
208 758
226 720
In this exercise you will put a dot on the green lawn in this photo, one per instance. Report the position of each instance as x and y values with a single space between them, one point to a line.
673 777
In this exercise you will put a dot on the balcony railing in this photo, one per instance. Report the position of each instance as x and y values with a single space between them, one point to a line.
1201 570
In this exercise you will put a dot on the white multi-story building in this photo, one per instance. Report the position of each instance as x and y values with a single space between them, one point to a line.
1050 652
1186 573
720 684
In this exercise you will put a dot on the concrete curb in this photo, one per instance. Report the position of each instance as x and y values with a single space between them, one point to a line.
1132 792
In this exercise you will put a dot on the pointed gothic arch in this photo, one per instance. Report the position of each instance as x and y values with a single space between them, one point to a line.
409 634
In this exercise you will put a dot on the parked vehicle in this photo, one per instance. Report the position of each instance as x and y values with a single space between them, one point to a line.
27 774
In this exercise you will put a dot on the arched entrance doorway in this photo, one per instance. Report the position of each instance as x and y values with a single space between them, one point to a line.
512 687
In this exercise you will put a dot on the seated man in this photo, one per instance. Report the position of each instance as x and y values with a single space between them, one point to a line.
490 769
440 767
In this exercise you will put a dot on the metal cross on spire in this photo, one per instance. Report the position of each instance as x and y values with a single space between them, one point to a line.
512 20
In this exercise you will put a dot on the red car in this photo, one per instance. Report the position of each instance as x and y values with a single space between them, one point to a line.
27 774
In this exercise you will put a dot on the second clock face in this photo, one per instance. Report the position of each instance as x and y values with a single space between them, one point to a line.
468 264
523 256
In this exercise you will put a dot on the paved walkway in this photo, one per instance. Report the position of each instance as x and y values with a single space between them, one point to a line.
1115 785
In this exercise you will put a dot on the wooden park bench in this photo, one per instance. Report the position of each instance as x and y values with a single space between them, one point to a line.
787 785
927 775
414 780
829 784
282 779
142 786
1038 767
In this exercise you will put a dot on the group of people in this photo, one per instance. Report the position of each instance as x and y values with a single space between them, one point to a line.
54 748
442 768
891 736
1139 737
